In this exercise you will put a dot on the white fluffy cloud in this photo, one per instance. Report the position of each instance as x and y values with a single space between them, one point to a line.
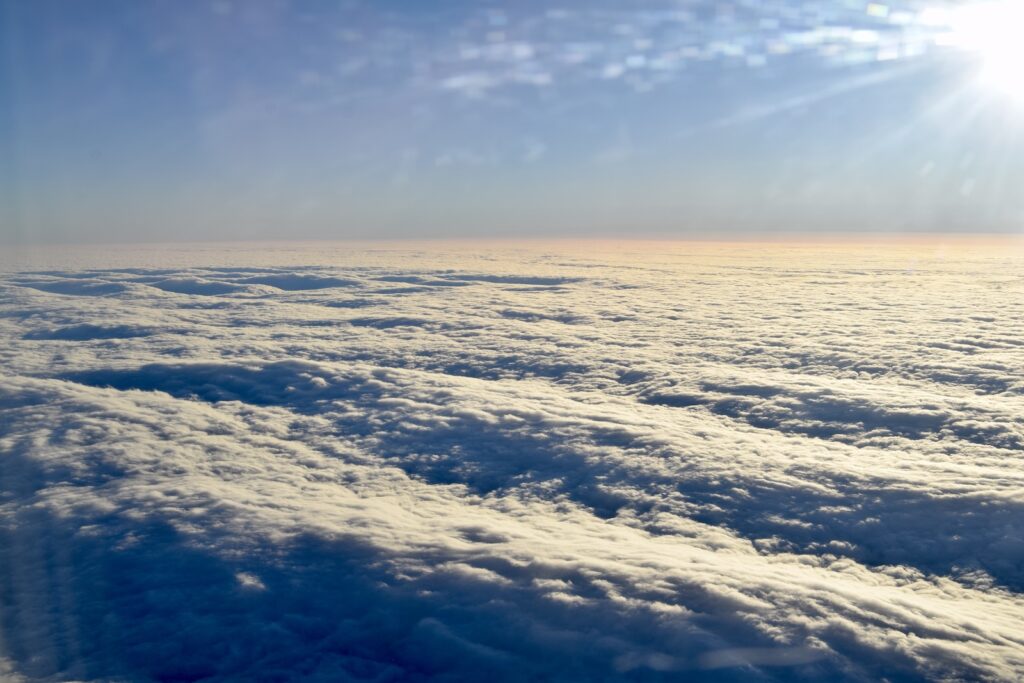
685 463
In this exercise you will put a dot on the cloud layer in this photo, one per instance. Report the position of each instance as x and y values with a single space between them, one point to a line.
692 462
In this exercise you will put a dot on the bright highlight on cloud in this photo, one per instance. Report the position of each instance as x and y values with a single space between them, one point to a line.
677 462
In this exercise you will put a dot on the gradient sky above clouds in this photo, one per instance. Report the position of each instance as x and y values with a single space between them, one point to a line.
126 121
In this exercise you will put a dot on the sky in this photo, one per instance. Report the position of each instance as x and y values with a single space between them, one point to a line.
161 121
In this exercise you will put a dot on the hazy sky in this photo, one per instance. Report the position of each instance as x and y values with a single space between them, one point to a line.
125 121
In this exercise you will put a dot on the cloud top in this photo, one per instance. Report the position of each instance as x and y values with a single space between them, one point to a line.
706 463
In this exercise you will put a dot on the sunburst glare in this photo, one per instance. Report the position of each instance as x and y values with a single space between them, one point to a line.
992 30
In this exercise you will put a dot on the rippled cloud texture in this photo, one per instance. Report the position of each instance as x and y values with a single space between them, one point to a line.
553 462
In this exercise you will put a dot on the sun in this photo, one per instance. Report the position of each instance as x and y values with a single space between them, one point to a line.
992 29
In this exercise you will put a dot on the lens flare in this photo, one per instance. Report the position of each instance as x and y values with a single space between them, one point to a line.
992 30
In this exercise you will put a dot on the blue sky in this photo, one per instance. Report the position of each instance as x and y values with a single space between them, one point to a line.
153 121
